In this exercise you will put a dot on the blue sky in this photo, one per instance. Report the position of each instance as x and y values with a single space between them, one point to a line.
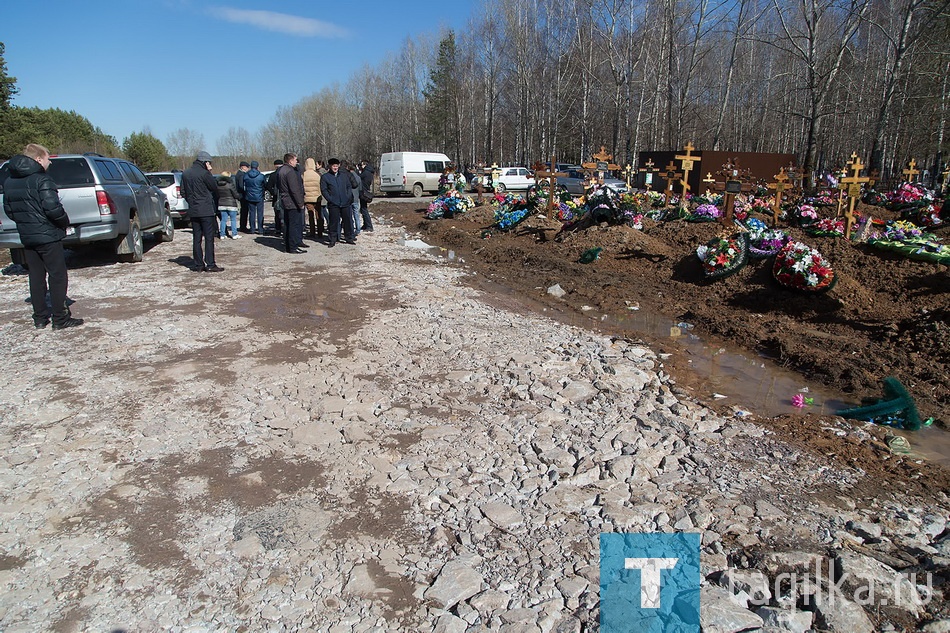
203 65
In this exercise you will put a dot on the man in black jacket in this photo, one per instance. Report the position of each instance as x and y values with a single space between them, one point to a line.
31 199
291 195
201 191
336 186
243 168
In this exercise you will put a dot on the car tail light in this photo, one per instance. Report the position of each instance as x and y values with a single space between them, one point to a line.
177 191
106 206
403 180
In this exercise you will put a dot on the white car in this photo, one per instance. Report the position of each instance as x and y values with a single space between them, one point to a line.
513 178
170 184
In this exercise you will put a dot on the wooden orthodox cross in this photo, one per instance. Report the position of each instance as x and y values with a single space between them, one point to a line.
602 164
731 173
795 175
854 191
479 184
552 176
686 160
911 171
648 170
671 175
628 172
709 180
779 186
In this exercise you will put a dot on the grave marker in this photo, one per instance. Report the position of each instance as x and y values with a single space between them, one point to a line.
733 185
686 161
709 180
853 184
779 186
552 176
911 171
671 175
648 170
602 164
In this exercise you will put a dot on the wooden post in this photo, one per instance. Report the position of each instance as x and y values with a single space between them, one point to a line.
686 161
854 191
671 175
779 186
648 170
480 186
552 177
911 171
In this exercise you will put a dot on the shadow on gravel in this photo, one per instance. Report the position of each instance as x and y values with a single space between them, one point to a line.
98 254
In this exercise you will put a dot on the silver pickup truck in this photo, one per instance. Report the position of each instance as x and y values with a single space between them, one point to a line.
106 199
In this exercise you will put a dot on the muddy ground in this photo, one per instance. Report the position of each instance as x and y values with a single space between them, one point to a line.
887 316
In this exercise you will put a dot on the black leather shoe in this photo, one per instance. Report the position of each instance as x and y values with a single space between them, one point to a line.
331 244
198 269
297 251
304 246
214 269
349 241
70 322
39 324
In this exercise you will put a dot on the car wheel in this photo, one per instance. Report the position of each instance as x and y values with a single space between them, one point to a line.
500 187
167 232
417 190
132 243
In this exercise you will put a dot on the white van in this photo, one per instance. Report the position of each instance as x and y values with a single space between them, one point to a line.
415 172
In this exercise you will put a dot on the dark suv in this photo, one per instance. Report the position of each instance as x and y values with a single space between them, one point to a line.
106 199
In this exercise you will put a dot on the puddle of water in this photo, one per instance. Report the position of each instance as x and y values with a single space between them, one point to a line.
930 443
755 384
429 248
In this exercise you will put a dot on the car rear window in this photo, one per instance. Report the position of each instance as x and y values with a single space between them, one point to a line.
70 172
161 180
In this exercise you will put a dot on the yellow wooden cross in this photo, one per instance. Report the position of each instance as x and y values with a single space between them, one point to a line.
648 170
779 186
709 180
853 191
495 174
671 175
552 176
911 170
628 171
687 160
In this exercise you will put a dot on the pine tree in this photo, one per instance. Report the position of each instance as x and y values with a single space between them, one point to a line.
442 98
7 83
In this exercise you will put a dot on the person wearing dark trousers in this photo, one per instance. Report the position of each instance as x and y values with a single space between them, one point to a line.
366 194
243 168
254 197
31 199
270 185
291 192
336 186
200 189
311 189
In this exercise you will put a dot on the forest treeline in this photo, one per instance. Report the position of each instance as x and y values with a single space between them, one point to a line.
527 79
530 79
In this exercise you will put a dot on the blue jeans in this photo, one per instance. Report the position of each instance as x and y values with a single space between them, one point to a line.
225 212
255 212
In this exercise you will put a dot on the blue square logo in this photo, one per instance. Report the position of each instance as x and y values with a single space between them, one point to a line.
649 583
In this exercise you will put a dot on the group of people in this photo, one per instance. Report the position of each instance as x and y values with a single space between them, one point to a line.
335 196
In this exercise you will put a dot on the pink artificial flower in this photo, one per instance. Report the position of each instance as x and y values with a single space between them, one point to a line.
798 400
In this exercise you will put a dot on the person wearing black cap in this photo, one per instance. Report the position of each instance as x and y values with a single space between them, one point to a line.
243 168
336 186
200 189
